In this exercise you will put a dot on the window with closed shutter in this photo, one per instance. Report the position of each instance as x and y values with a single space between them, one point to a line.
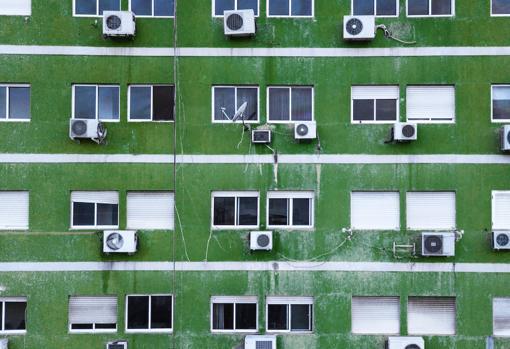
501 316
431 103
431 316
375 315
431 210
93 313
14 210
16 7
375 210
150 210
501 210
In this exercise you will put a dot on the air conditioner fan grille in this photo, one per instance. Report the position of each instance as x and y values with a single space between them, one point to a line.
113 22
354 26
235 21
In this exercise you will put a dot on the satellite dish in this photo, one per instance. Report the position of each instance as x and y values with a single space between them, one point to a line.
240 111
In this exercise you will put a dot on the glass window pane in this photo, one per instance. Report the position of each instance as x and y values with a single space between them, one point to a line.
300 317
386 109
106 326
279 101
163 103
386 8
501 102
84 102
108 5
277 315
441 7
246 316
501 7
3 102
1 312
248 4
248 95
279 7
107 214
363 109
163 7
247 211
224 97
85 7
83 213
278 212
82 326
224 211
301 104
301 7
418 7
108 103
142 7
15 315
138 312
301 212
140 103
363 7
19 103
223 316
221 6
161 312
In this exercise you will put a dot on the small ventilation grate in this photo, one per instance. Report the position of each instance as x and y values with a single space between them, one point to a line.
302 130
264 345
434 244
235 21
408 131
354 26
502 240
113 22
263 240
261 136
79 127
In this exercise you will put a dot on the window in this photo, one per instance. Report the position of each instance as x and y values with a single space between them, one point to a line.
150 210
500 7
15 7
14 102
149 313
500 210
501 103
380 8
151 103
435 8
93 314
13 315
14 210
94 209
501 316
235 210
431 210
375 104
290 104
290 209
431 316
152 8
375 210
228 99
433 104
375 315
289 314
290 8
96 102
94 7
234 314
220 6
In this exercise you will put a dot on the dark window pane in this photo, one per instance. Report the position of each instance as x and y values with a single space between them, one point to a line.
418 7
224 97
85 7
300 317
161 312
278 212
107 214
3 102
386 109
248 95
501 7
163 99
223 316
138 312
363 109
301 212
441 7
279 7
246 316
224 211
85 102
163 7
19 102
83 213
141 7
82 326
1 312
301 7
248 4
221 6
247 210
140 103
363 7
386 8
106 326
108 103
109 5
501 109
277 315
15 315
279 100
301 104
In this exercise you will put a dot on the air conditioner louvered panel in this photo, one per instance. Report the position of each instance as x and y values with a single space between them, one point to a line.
99 310
375 315
264 345
431 316
431 210
14 209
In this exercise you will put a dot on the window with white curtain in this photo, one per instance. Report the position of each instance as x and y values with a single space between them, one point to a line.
290 104
371 210
501 316
375 315
14 210
431 316
234 314
93 314
150 210
431 210
15 7
431 104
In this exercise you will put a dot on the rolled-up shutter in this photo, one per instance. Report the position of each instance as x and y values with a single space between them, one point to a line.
375 92
431 316
501 210
16 7
150 210
14 210
375 315
501 316
431 210
431 103
93 310
375 210
104 197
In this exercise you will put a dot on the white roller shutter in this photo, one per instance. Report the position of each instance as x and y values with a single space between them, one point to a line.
375 210
289 300
233 299
16 7
375 315
290 194
431 103
431 316
431 210
150 210
375 92
14 210
104 197
501 316
501 210
93 310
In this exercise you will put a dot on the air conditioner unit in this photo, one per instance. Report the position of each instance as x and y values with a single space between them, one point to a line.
120 241
261 240
119 24
86 128
260 342
505 138
501 240
4 343
405 343
438 244
404 132
305 130
261 136
239 23
117 345
359 27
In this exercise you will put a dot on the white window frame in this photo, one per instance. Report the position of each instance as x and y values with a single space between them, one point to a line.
152 11
213 7
4 300
498 121
496 14
235 195
375 192
288 301
430 10
290 11
152 104
421 228
290 196
82 227
97 101
494 194
129 196
25 227
234 300
7 92
432 120
235 102
361 122
289 87
97 10
93 329
375 9
149 330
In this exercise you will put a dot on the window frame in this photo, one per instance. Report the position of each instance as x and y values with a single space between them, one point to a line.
498 14
149 330
425 229
95 226
149 192
233 300
290 12
431 120
27 226
236 195
375 121
290 196
289 87
213 9
497 121
97 101
432 334
152 104
152 10
93 329
366 333
97 10
494 195
430 10
7 94
7 299
289 301
214 121
397 3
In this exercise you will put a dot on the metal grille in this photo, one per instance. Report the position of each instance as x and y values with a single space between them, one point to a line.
264 345
235 22
113 22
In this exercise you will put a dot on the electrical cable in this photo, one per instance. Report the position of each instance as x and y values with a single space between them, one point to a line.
389 35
